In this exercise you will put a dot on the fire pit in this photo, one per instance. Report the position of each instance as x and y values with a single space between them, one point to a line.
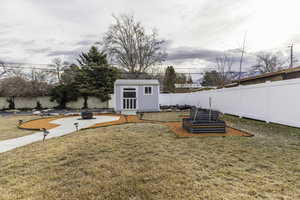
204 121
86 115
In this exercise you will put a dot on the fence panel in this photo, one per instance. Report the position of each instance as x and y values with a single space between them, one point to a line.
277 102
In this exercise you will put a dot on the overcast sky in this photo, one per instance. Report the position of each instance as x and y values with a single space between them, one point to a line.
36 31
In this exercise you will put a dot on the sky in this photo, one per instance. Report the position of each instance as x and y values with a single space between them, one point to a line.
196 31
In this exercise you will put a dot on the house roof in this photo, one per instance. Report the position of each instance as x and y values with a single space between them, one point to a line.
136 82
284 71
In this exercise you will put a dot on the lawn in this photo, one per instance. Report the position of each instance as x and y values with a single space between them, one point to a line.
9 129
146 161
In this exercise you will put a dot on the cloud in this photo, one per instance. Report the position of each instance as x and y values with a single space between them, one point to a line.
85 42
68 55
183 53
196 31
64 53
38 50
15 41
90 36
195 57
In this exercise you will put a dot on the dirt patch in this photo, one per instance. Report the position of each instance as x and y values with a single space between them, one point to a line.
134 119
164 116
122 120
38 124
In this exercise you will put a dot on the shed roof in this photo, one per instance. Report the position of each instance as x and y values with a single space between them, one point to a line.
136 82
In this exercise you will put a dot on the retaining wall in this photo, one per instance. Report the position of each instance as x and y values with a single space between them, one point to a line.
31 103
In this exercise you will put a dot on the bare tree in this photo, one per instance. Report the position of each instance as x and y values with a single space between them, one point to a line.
268 62
19 86
10 69
223 68
3 68
12 87
130 47
60 66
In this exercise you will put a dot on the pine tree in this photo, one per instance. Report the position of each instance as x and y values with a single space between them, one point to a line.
210 78
169 79
94 77
92 58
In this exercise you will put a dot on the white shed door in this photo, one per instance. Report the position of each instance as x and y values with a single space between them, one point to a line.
129 99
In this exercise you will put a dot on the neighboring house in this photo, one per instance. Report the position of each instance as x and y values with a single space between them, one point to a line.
284 74
136 95
185 88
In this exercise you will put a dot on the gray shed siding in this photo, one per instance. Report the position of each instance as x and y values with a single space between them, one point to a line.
148 103
145 103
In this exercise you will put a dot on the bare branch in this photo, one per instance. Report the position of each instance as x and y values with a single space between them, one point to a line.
3 68
129 46
268 62
223 67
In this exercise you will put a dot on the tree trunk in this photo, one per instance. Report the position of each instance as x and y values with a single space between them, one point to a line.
85 104
11 103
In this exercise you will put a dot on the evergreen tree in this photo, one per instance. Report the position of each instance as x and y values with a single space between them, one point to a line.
92 58
63 94
93 77
210 78
169 79
96 81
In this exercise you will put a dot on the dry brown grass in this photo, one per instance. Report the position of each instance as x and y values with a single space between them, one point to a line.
146 161
164 116
9 129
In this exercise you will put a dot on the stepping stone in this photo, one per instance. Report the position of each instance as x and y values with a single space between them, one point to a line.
128 112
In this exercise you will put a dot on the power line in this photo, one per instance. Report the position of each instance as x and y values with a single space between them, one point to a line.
20 63
44 68
40 68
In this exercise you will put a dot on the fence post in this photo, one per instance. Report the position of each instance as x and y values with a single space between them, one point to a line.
240 114
267 101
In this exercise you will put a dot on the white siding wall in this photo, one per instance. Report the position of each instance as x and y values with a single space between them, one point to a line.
277 102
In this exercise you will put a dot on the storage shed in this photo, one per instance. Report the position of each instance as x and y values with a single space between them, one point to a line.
136 95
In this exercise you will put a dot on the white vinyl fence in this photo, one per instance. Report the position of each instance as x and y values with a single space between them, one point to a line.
277 102
31 103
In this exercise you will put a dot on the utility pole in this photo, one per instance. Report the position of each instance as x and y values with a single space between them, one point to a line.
242 56
292 56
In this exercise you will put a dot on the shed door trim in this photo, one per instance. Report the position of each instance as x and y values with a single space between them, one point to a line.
131 103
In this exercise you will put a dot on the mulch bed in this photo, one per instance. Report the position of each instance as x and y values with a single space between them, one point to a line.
176 127
38 124
122 120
